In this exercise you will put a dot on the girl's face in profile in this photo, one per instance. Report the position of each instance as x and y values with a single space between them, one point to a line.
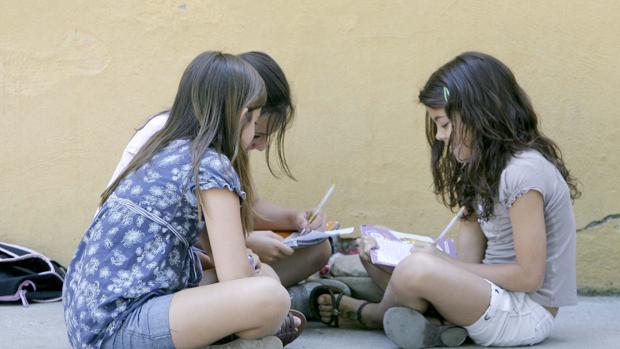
460 148
247 134
259 142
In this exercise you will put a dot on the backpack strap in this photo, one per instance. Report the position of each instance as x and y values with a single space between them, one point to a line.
28 275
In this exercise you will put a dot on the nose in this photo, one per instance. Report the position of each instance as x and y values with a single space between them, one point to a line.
441 135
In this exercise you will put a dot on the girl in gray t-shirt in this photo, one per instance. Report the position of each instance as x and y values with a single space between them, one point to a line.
516 263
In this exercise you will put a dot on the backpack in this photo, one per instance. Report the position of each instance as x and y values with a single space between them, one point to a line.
27 275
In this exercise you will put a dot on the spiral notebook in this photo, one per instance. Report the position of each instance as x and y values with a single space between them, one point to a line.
314 237
393 246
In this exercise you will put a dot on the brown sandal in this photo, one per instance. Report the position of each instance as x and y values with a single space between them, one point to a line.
336 296
288 332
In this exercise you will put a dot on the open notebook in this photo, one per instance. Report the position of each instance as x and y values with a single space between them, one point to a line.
394 246
314 237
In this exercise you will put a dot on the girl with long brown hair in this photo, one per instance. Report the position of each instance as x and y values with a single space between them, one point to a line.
276 117
133 281
516 264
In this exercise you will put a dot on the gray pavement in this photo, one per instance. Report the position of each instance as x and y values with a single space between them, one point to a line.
593 324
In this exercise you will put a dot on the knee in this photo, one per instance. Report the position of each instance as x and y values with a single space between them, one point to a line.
320 254
272 302
414 273
324 253
271 296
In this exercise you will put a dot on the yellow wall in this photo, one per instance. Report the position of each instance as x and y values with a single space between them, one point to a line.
77 76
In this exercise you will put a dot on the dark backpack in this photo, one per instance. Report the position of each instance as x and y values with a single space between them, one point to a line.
27 275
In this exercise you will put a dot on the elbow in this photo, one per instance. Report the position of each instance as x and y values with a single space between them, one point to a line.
533 282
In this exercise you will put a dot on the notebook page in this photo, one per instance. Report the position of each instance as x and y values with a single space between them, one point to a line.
391 252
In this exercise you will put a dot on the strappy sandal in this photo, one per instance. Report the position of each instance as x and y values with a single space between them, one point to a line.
409 329
300 294
336 296
288 331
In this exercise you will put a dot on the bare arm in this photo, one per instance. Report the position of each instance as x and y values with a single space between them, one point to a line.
273 217
225 233
472 242
529 234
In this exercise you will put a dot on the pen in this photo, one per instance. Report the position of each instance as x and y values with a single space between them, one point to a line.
317 210
450 225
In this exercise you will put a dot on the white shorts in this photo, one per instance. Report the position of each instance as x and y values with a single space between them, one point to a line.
512 319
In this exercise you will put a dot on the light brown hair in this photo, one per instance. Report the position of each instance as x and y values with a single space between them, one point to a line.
214 91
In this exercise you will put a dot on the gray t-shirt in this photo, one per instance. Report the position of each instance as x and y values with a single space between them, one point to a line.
529 170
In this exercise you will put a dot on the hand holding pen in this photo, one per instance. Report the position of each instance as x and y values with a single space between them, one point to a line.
316 213
432 248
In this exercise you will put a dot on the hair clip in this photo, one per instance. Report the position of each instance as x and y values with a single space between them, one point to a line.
446 93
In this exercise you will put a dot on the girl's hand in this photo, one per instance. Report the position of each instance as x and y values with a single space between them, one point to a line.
254 261
268 245
366 244
301 220
205 260
430 248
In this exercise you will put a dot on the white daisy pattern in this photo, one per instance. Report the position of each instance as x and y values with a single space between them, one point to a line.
130 254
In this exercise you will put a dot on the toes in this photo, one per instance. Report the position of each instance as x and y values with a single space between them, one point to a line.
325 308
297 321
324 299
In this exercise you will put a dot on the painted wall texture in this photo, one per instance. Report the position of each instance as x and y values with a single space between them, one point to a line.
76 77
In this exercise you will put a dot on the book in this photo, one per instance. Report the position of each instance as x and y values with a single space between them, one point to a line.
314 237
394 246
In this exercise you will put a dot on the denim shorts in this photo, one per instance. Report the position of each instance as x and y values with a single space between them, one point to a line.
512 319
146 327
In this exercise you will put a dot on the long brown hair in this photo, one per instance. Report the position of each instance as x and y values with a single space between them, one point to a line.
278 108
214 90
497 116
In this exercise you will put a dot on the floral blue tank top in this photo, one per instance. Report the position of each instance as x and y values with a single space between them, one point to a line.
139 244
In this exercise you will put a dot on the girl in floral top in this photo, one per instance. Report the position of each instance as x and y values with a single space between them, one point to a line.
131 281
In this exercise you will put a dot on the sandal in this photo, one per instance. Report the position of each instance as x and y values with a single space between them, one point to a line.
300 294
288 332
336 296
268 342
409 329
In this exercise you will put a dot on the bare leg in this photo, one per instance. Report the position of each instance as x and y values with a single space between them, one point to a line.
250 308
379 275
301 264
209 276
417 281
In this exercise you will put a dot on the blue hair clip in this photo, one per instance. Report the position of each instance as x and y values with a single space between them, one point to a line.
446 93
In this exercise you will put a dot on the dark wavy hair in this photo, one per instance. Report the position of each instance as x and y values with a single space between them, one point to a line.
496 115
278 109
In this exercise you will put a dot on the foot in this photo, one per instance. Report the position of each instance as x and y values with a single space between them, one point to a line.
352 313
409 329
269 342
300 294
292 327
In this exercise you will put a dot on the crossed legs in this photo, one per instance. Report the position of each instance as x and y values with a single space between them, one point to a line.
460 296
250 308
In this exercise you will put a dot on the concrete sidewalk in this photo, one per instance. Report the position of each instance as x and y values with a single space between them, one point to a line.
593 324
